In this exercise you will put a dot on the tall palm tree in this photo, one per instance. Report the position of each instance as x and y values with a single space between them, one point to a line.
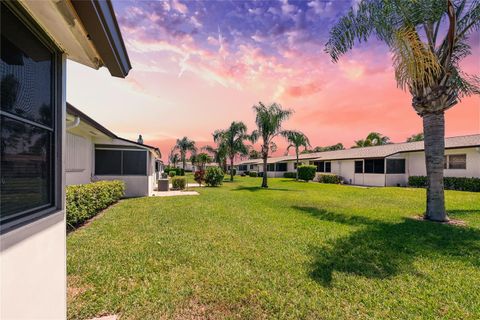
415 137
183 146
173 157
372 139
296 140
269 121
232 140
426 62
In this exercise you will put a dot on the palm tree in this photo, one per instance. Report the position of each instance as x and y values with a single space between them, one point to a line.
426 62
232 140
219 155
173 158
254 154
373 139
193 160
185 145
269 121
202 159
296 139
415 137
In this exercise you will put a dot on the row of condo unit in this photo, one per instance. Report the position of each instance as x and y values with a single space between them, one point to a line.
385 165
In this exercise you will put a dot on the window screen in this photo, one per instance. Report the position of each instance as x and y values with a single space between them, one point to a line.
134 163
395 165
251 167
27 82
243 167
281 167
457 161
328 167
108 162
374 166
359 166
271 167
320 166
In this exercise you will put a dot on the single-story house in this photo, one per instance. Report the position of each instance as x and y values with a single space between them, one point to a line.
37 38
94 153
386 165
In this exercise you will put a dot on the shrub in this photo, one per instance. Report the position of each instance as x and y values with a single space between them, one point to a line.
253 174
234 171
450 183
329 178
179 183
290 175
306 172
172 173
86 200
214 176
199 176
180 172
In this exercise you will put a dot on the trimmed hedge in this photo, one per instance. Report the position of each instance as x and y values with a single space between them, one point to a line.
172 173
177 171
214 176
253 174
306 172
329 178
179 183
450 183
84 201
290 175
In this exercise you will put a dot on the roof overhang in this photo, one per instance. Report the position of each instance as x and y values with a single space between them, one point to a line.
86 30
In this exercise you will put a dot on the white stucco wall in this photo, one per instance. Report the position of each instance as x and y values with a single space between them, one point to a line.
416 163
79 159
33 270
135 186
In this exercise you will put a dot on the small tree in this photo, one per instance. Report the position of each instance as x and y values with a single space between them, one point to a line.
232 140
185 145
269 121
202 160
297 140
415 137
373 139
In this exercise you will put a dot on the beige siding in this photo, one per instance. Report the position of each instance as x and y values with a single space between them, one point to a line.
79 157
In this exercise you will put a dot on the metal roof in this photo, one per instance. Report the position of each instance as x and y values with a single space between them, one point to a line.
378 151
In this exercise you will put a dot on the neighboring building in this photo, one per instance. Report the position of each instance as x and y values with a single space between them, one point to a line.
387 165
37 38
95 153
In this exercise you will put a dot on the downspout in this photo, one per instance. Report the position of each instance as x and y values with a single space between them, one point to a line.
75 123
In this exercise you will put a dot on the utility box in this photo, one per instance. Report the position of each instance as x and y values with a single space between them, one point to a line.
163 184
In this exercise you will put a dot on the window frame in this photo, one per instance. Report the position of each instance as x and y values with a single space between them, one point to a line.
57 185
269 166
355 166
119 148
396 159
278 164
373 165
447 162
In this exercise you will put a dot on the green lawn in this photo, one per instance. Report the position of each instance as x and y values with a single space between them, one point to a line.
294 251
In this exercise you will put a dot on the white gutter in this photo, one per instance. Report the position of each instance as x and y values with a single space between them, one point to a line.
75 123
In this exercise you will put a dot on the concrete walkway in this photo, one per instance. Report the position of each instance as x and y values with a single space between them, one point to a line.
174 193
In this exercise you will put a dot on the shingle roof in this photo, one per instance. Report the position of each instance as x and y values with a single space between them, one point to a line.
379 151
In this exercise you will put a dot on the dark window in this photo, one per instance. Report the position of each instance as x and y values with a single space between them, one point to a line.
134 163
28 132
395 165
157 166
251 167
328 167
457 161
445 162
243 167
320 166
281 167
120 162
359 166
374 166
271 167
108 162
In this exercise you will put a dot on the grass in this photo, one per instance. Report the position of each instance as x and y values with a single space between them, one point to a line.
294 251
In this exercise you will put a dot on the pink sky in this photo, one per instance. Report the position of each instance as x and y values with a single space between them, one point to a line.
191 83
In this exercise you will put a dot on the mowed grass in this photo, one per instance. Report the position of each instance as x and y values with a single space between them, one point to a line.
294 251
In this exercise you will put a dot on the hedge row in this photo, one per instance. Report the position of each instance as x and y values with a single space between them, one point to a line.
329 178
306 172
86 200
253 174
290 175
178 171
450 183
179 183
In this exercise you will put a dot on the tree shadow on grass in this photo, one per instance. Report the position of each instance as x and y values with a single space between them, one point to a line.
255 189
380 250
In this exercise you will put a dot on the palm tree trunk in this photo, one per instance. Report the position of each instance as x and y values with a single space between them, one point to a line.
296 171
264 178
434 131
231 168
